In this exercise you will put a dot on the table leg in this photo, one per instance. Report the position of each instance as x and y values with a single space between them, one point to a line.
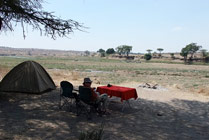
126 102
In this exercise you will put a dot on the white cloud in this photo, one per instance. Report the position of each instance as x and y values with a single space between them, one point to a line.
177 28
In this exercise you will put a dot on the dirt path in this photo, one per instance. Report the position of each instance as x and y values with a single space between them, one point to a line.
157 114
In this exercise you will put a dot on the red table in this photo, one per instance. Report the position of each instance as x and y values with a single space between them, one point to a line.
124 93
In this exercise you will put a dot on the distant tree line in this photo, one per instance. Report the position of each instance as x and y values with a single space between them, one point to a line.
187 53
121 50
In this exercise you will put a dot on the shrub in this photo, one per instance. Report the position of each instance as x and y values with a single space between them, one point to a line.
207 59
103 54
93 134
147 56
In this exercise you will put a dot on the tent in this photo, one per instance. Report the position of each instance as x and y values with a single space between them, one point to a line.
29 77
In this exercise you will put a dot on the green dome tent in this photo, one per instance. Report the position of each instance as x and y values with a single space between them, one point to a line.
28 77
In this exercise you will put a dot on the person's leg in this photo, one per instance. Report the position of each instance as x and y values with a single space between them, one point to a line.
98 94
103 99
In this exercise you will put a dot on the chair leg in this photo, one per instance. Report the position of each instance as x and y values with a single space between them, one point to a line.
60 103
78 108
81 107
86 109
65 102
70 104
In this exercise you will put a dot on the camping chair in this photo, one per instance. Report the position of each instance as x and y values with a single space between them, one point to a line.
67 96
86 104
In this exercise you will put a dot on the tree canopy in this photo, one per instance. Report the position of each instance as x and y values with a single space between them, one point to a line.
192 48
160 50
110 51
127 49
120 50
149 50
86 53
184 53
124 49
189 49
101 51
31 12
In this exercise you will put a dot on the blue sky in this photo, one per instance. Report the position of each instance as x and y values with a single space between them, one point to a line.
143 24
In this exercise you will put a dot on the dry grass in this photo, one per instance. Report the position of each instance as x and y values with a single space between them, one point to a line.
204 91
3 72
75 75
104 71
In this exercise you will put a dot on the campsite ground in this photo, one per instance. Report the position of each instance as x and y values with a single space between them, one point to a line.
177 109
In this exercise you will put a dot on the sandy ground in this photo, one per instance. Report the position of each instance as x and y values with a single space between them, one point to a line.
164 113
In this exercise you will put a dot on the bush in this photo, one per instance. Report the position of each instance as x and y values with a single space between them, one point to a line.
110 51
207 59
103 54
147 56
93 134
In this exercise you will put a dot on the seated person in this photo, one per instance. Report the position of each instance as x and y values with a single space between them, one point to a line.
95 95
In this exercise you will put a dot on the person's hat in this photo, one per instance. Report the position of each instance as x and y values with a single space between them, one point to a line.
87 80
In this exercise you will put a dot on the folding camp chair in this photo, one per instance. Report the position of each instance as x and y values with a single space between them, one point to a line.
67 96
86 104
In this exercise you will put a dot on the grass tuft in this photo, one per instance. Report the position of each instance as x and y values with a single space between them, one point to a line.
93 134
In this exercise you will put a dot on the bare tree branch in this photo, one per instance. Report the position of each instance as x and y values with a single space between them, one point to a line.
30 12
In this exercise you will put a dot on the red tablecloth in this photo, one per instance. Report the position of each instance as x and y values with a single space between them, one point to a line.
124 93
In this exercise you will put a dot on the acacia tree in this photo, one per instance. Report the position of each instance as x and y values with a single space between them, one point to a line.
86 53
172 55
149 51
160 50
124 49
102 52
184 53
189 49
31 12
193 48
127 49
120 50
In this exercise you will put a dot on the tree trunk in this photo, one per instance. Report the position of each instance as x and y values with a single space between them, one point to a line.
0 23
185 59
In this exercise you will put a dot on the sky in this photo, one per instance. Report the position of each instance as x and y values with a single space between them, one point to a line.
142 24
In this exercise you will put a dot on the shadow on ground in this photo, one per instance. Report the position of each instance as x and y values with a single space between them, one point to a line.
26 116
